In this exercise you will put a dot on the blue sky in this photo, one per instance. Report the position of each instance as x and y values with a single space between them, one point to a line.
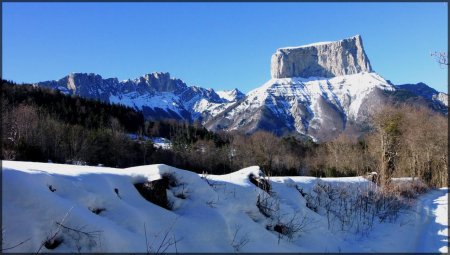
217 45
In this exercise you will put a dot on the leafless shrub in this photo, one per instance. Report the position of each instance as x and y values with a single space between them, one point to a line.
358 208
181 191
239 240
82 238
267 205
50 240
213 184
300 190
213 202
205 176
409 189
176 185
63 233
294 227
311 203
167 240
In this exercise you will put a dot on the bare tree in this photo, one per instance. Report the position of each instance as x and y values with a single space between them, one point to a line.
165 243
441 58
239 240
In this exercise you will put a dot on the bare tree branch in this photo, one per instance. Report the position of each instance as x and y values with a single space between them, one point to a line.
441 57
57 230
14 246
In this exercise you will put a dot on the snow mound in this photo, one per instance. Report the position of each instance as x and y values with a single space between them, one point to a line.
72 208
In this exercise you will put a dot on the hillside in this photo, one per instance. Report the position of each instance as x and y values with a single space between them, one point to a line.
67 208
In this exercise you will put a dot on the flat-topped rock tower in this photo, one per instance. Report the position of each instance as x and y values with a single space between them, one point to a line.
324 59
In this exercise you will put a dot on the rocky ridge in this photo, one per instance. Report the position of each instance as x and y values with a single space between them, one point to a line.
157 94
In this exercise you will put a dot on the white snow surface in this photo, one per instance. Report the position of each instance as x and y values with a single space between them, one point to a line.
315 44
229 95
218 213
162 100
203 106
346 89
287 96
162 143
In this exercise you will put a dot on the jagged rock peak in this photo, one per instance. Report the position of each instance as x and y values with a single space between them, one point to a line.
157 75
323 59
161 81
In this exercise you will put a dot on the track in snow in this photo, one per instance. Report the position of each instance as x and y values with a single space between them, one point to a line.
432 222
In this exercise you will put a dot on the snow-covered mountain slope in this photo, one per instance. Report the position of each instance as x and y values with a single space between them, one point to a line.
318 90
68 208
231 95
156 94
315 106
438 100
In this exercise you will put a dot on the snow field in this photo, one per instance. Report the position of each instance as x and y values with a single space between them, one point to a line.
210 213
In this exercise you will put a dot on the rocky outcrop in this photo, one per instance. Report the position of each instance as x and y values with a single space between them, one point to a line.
442 98
326 59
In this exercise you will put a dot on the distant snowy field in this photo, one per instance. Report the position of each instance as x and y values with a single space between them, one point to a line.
98 209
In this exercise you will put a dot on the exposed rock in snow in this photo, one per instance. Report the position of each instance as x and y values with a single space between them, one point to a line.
442 98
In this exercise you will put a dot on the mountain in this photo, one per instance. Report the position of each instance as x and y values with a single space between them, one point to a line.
157 94
318 90
318 107
435 99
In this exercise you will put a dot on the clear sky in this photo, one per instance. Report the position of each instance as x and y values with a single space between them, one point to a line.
215 45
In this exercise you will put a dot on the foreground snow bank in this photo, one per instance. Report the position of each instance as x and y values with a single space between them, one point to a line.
98 209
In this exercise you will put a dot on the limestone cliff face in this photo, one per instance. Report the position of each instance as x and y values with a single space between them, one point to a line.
327 59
